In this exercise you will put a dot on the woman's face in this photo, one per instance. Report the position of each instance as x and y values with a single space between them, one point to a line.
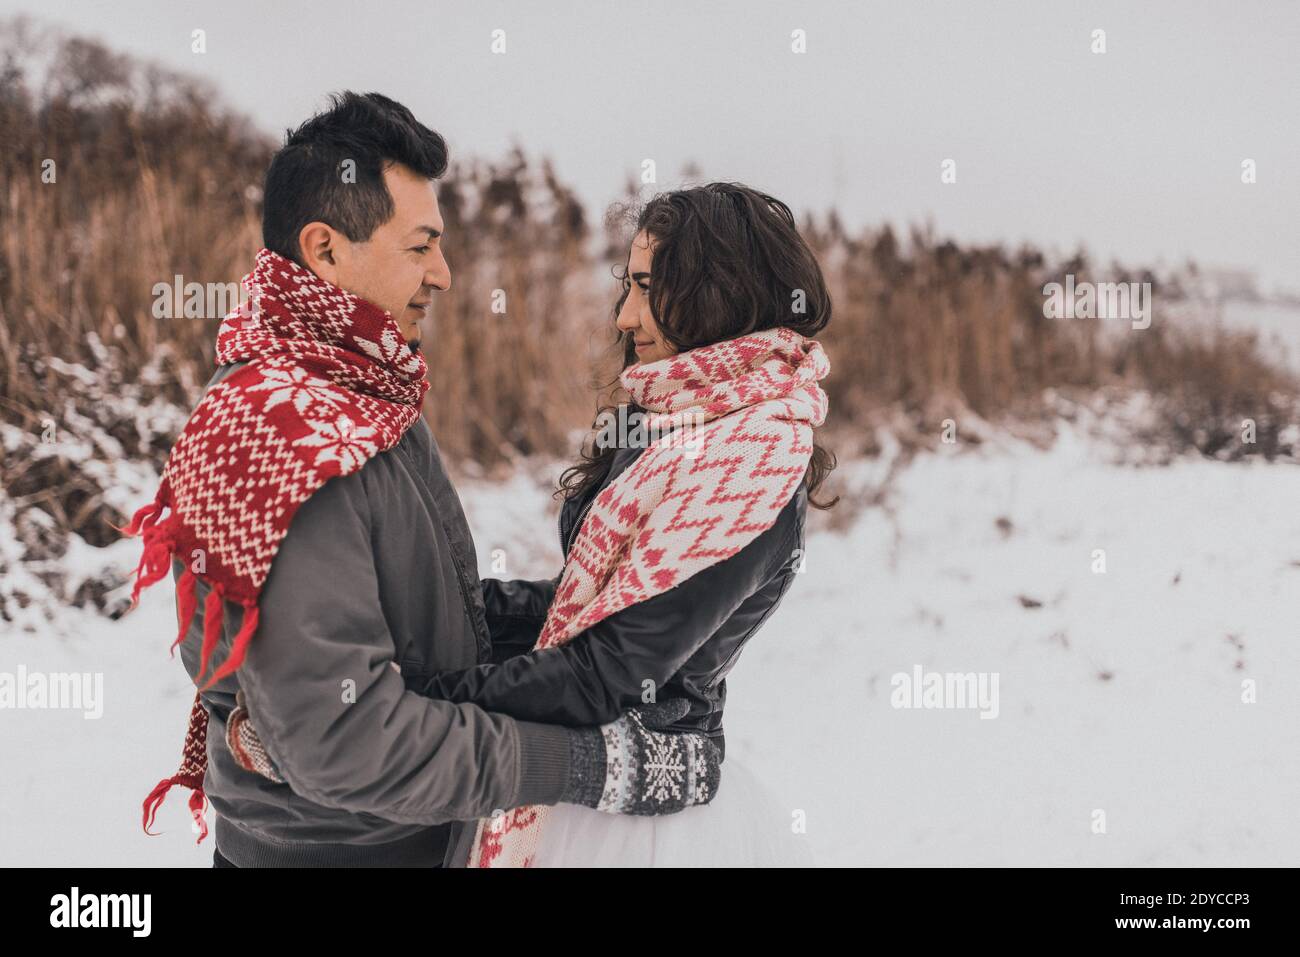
634 318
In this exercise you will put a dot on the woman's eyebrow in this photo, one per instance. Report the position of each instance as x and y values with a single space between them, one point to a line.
638 276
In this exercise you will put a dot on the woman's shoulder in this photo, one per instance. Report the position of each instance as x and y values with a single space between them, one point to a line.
785 535
765 556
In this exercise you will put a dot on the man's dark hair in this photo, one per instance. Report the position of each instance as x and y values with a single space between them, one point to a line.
305 182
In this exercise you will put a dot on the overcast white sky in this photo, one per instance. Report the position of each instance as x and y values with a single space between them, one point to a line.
1135 153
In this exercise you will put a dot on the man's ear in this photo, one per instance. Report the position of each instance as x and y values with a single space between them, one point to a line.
319 245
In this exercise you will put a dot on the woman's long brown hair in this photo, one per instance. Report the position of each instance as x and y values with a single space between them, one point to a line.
728 261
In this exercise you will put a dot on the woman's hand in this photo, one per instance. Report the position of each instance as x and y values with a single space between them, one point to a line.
246 746
629 766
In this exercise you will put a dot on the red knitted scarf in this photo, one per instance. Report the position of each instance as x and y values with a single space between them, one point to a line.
329 384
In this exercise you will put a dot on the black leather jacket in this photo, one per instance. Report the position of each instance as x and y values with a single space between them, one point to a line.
685 640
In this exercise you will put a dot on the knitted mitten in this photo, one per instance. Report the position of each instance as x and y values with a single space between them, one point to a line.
629 767
244 744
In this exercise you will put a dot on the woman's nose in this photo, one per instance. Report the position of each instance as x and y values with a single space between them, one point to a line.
627 319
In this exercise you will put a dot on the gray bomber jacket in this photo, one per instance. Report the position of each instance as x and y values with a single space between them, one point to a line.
377 573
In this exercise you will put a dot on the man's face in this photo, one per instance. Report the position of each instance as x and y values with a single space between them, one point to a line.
401 264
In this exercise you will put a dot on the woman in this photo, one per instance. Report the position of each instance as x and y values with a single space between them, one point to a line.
680 537
717 274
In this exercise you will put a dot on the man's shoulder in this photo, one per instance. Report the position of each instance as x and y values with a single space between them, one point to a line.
416 444
223 372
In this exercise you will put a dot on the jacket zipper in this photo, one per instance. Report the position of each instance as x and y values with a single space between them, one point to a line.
717 675
482 642
577 526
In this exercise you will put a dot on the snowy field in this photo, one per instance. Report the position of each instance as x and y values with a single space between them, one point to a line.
1119 692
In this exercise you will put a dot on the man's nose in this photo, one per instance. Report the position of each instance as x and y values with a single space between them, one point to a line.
439 273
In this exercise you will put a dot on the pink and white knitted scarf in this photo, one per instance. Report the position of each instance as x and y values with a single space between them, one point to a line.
329 384
689 501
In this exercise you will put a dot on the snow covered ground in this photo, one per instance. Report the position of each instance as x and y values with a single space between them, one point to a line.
1119 692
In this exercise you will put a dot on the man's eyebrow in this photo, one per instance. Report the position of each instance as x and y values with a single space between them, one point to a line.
433 233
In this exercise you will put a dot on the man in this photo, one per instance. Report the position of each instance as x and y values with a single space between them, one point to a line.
323 559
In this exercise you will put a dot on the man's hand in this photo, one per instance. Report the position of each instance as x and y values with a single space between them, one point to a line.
631 767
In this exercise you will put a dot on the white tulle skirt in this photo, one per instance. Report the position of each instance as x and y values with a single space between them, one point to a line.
743 826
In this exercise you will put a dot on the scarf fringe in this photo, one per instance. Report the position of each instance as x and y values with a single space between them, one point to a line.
197 803
144 517
186 603
247 629
190 774
213 617
159 541
213 613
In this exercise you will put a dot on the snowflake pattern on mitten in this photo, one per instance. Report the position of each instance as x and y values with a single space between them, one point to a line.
652 772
